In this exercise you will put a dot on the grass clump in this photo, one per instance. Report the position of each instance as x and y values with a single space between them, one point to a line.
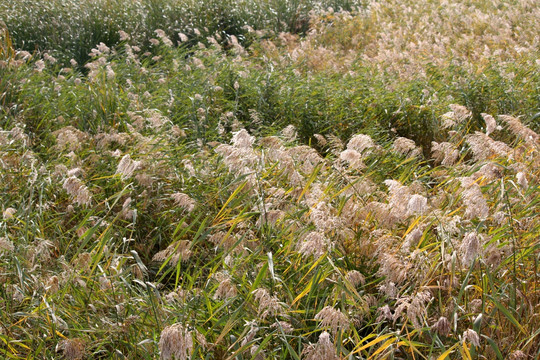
321 196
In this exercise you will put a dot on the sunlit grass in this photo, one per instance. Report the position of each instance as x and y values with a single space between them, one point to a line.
260 197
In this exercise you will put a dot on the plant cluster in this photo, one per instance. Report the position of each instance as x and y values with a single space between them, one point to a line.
324 196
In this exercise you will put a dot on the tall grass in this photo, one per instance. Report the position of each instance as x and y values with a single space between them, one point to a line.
297 198
72 28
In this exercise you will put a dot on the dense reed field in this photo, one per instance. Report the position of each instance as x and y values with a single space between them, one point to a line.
269 179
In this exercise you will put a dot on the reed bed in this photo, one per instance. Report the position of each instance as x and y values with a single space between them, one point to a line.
363 187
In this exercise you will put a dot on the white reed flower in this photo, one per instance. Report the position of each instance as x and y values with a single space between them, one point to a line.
284 326
360 143
69 138
417 309
353 157
321 140
226 288
73 349
444 153
355 278
9 213
485 148
469 248
472 337
39 65
314 243
417 204
384 313
175 343
183 37
491 124
520 130
406 146
332 318
183 200
324 349
127 166
178 250
268 305
77 190
522 180
475 203
242 139
518 355
123 35
457 116
442 326
412 238
161 34
289 133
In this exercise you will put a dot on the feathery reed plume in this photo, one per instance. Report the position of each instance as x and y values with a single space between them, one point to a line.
518 355
284 326
472 337
491 124
417 204
77 172
384 313
393 268
289 133
355 278
475 203
241 139
469 248
398 199
183 37
73 349
360 143
175 343
127 166
226 288
39 65
124 36
406 146
335 144
324 349
49 58
164 38
442 326
484 147
184 201
417 310
240 158
229 242
69 138
9 213
457 116
314 243
332 318
321 140
178 250
412 238
444 153
253 328
520 130
77 190
353 158
522 180
268 305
